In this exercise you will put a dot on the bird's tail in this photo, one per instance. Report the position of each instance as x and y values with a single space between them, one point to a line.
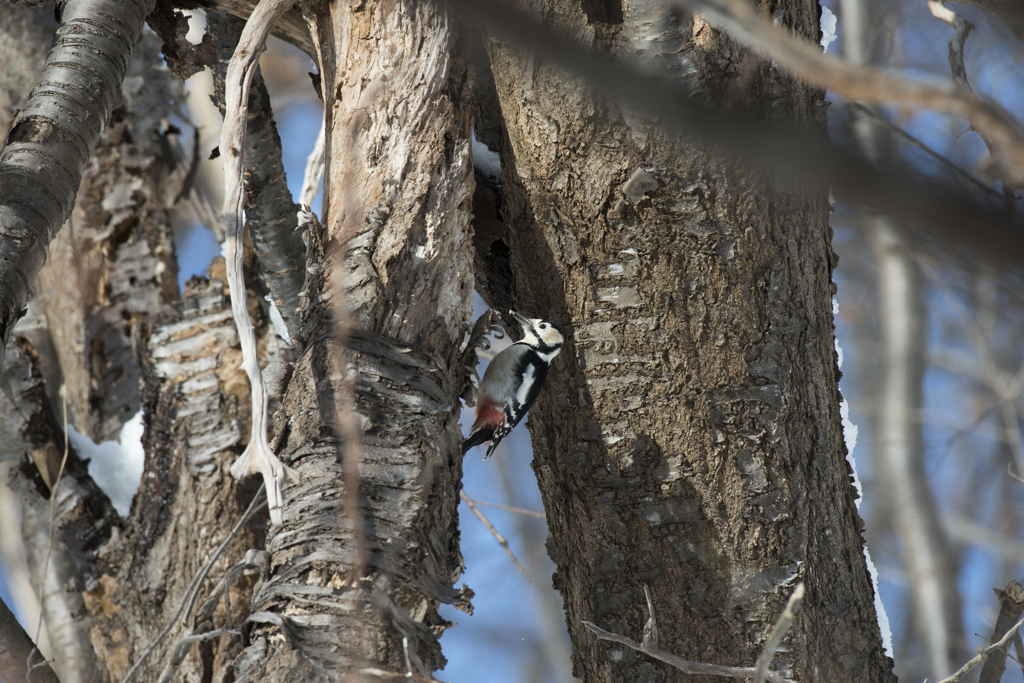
482 435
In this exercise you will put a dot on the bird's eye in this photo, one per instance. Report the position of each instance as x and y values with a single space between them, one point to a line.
543 326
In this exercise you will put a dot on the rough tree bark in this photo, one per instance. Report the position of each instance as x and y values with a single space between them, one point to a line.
691 438
107 290
369 546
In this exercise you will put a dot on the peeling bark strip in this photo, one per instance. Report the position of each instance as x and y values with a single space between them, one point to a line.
271 215
52 138
692 438
257 458
398 188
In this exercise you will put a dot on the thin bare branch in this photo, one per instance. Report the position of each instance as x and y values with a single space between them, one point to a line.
778 633
882 121
983 655
867 84
511 508
494 532
650 647
962 28
1006 393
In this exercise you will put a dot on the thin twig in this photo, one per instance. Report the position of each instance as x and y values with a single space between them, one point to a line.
188 600
1006 393
185 644
494 532
981 656
510 508
963 173
961 29
778 633
684 665
650 647
867 84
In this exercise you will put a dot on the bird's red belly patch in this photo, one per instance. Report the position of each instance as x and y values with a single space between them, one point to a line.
488 413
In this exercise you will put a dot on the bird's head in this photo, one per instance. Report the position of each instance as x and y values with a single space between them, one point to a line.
541 333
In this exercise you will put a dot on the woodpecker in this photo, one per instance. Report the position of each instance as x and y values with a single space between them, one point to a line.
512 382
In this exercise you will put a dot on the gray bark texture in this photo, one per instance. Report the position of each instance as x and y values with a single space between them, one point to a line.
690 440
51 139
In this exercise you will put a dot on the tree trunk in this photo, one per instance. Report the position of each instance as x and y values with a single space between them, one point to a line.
369 546
690 440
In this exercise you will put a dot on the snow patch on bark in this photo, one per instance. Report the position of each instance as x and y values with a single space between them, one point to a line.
115 467
485 160
850 436
828 28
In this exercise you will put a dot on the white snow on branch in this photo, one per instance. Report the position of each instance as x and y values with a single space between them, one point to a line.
828 28
485 160
850 436
115 467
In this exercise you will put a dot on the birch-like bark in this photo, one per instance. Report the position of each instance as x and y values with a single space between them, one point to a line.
83 518
51 139
196 404
689 438
368 546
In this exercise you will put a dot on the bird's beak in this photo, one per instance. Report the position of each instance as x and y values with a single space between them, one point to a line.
525 322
